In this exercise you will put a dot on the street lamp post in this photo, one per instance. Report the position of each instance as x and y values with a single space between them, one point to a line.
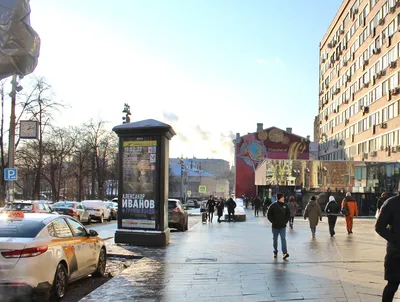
127 110
181 162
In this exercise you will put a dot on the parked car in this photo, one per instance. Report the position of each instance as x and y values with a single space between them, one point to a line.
113 207
192 203
177 216
41 253
74 209
97 210
28 207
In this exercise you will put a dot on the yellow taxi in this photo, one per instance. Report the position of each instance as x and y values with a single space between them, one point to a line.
41 253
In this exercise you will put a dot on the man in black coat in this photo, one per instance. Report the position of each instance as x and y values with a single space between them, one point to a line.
257 206
231 205
279 215
388 226
210 208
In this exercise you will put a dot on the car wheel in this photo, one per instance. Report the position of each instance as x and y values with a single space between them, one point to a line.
79 218
101 264
109 218
101 219
187 224
89 220
60 281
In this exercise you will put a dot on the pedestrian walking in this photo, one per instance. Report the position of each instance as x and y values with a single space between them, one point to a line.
293 210
380 202
220 209
388 227
257 206
313 213
210 208
266 204
231 204
332 210
349 210
279 214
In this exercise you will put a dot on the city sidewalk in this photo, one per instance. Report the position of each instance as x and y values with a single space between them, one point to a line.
233 262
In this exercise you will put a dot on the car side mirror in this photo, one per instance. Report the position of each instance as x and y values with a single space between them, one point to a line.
93 233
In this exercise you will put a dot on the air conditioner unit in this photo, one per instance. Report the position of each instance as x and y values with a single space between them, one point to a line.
373 154
345 63
366 62
365 110
329 45
398 148
392 9
393 64
341 32
384 125
326 117
334 110
323 60
379 75
365 155
346 121
395 91
348 78
377 50
393 149
355 11
382 21
373 80
398 4
366 85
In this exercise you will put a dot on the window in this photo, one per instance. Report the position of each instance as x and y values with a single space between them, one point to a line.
390 111
392 54
60 229
77 228
384 114
20 228
385 62
394 80
385 87
372 145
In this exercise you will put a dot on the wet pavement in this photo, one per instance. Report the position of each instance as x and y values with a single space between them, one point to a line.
233 262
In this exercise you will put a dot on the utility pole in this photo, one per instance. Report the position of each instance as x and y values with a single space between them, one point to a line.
11 142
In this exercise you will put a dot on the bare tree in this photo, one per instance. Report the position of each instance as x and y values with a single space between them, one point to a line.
58 147
39 104
104 145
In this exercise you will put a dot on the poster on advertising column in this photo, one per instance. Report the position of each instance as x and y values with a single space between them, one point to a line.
139 208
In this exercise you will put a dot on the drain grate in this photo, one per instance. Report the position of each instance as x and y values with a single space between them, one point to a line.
201 260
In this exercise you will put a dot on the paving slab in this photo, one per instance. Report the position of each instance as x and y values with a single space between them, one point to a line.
233 262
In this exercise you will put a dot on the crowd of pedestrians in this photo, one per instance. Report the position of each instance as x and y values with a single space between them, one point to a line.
280 213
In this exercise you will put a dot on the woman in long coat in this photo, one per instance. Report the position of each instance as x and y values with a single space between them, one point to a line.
313 213
220 209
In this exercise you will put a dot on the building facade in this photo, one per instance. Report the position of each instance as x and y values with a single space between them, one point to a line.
359 91
252 149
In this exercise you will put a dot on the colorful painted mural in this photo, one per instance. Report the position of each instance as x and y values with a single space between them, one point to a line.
252 149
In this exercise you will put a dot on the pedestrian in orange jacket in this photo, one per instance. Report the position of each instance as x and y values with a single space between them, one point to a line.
352 211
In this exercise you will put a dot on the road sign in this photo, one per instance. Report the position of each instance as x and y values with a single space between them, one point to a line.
189 193
10 174
202 189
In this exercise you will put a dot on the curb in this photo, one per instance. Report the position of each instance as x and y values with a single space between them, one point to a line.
124 256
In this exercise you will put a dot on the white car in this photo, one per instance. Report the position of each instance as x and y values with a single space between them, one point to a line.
98 210
41 253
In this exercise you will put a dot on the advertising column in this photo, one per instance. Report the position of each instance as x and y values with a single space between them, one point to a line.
139 201
143 183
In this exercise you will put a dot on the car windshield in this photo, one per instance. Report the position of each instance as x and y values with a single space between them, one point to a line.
20 228
24 207
63 205
172 205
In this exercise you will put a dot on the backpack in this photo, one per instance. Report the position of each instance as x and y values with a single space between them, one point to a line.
345 209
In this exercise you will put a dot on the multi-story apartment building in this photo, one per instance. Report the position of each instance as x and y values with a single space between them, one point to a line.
359 88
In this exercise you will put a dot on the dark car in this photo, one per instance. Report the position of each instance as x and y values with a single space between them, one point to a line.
177 216
74 209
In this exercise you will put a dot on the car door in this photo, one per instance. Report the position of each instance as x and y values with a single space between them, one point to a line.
63 236
81 212
82 247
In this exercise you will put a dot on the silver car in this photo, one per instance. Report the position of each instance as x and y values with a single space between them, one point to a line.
74 209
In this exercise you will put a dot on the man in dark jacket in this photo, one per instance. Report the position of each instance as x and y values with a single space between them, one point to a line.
388 226
210 208
257 206
231 205
332 209
381 200
279 215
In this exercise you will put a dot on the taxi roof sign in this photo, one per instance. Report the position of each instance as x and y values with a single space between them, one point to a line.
15 215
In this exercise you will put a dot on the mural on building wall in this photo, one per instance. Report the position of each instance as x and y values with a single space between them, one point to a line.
252 149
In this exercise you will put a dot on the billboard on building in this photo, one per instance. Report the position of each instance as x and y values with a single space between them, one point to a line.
252 149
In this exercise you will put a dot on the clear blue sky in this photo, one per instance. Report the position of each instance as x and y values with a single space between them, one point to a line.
210 68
